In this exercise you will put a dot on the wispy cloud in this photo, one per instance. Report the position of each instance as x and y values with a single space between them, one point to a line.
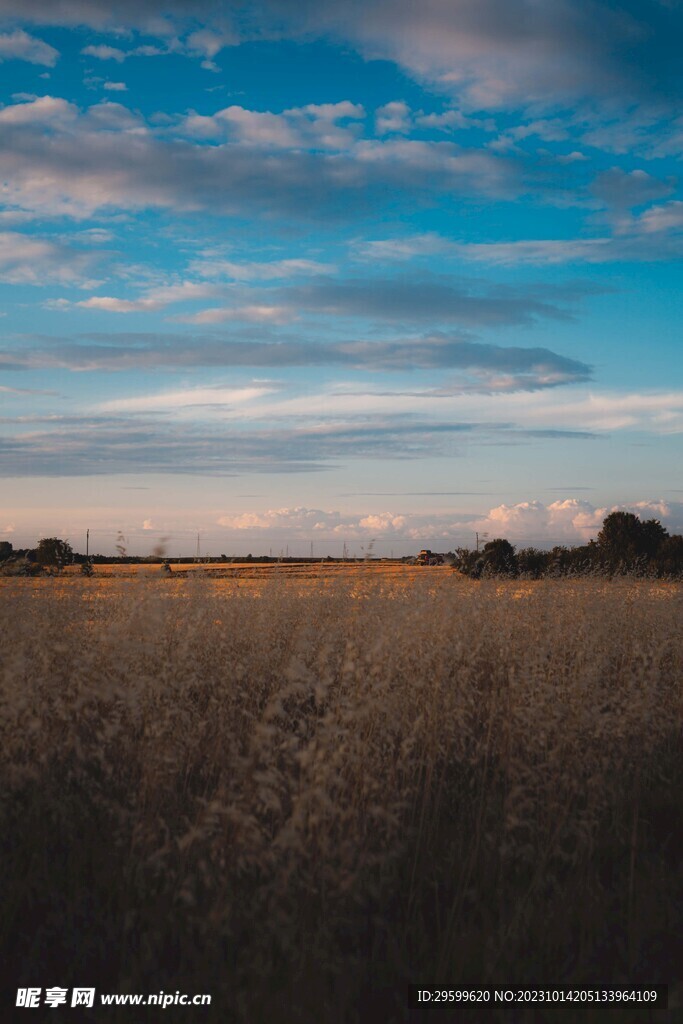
633 243
273 270
29 259
492 367
137 441
192 398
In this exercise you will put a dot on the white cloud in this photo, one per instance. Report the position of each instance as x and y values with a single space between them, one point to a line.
115 86
454 120
109 304
384 523
28 259
154 299
567 521
543 251
43 110
259 314
188 398
657 412
667 217
302 523
208 44
119 56
490 52
634 246
105 53
393 118
19 45
313 126
258 271
57 160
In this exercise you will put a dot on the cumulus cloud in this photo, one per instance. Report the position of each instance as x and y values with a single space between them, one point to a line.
39 111
315 126
393 118
57 159
567 521
488 52
492 53
102 52
303 524
19 45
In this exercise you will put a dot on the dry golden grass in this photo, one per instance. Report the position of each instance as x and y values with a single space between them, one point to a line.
300 792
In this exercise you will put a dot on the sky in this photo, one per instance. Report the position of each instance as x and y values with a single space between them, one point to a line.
294 276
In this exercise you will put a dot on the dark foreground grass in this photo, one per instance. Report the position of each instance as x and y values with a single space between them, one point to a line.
301 802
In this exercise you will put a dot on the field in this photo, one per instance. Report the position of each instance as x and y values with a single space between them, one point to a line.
300 788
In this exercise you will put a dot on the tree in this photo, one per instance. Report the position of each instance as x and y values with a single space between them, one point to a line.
625 537
6 550
53 551
670 556
469 563
532 562
652 536
499 556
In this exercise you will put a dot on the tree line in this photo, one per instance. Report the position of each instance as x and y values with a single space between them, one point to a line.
626 545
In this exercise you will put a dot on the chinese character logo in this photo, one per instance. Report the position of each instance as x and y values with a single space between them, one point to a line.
28 997
82 997
54 997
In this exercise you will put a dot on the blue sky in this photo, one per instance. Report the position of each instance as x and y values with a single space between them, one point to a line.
376 273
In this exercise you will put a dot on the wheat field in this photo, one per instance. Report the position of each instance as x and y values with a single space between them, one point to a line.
301 794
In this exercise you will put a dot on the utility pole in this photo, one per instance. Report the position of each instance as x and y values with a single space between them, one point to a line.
87 544
482 537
